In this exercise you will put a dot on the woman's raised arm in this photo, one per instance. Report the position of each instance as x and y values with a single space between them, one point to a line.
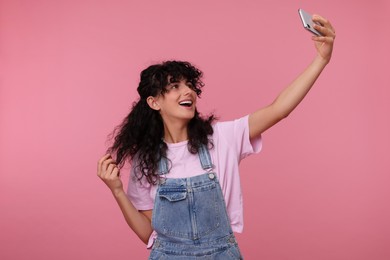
293 94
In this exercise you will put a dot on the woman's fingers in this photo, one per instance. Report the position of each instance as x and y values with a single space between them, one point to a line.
323 30
115 172
323 43
323 25
319 19
100 164
323 39
106 165
109 171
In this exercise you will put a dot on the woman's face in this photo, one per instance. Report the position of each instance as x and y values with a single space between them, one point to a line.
178 102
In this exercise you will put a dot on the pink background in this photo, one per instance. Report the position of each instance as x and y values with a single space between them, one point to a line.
69 69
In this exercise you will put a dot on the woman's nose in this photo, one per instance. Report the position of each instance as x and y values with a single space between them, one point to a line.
187 89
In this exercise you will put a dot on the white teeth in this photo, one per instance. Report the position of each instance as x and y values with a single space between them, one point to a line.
186 103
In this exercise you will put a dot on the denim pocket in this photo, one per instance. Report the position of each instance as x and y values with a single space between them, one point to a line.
173 194
171 211
186 213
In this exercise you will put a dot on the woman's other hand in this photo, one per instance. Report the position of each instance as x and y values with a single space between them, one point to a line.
109 173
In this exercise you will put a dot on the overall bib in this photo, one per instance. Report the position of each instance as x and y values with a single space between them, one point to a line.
190 217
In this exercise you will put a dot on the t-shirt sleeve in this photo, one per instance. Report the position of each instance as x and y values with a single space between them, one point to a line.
237 134
138 192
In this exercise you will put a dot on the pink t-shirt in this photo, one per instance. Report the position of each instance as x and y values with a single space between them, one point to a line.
231 145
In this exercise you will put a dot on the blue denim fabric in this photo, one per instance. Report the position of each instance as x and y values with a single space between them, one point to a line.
190 217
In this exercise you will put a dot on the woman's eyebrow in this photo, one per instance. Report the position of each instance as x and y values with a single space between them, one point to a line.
173 80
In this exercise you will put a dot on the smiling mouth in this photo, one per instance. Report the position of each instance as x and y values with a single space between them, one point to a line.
186 103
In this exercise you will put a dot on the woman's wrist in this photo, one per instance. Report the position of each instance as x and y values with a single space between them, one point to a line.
321 60
118 193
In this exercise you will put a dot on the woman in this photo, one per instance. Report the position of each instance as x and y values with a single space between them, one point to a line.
184 195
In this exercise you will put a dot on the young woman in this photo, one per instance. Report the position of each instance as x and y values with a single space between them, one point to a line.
184 195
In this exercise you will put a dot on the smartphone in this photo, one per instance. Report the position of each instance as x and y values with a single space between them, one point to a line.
308 22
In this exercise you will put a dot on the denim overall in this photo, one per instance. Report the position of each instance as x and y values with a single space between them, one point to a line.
190 217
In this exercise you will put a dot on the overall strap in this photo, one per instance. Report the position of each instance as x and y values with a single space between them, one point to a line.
205 158
163 166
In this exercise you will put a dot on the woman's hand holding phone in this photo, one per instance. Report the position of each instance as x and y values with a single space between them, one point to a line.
324 33
323 43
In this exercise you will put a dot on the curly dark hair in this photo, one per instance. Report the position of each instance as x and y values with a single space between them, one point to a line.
139 137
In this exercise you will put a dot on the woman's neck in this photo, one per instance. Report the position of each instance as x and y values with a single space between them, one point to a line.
175 133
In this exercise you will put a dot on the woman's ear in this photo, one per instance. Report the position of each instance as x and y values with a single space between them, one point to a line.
153 103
